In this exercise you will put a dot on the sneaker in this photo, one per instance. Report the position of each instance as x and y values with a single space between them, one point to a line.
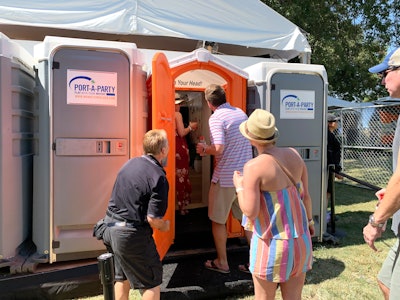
328 238
328 217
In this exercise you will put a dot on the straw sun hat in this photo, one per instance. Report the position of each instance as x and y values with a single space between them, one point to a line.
260 127
179 99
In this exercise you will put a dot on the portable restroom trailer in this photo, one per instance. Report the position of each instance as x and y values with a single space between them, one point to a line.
92 115
17 83
296 95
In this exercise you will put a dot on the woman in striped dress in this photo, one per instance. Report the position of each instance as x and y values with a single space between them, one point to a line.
273 195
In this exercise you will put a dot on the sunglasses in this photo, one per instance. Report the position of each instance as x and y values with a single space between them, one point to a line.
387 71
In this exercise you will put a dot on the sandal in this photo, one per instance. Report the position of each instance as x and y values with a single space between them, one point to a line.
244 268
210 265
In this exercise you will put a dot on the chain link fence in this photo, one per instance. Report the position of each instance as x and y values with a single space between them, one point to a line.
366 134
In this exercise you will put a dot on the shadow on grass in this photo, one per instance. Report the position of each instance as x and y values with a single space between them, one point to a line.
353 206
348 195
324 269
349 229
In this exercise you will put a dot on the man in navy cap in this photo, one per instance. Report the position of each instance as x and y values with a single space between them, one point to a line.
389 198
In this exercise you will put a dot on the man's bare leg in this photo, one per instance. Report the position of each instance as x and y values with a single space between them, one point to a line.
385 290
220 238
121 289
151 294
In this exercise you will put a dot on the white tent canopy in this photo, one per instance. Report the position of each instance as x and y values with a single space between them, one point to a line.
239 27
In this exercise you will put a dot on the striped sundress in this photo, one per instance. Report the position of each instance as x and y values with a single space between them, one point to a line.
281 243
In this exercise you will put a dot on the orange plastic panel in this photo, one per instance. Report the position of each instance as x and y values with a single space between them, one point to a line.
163 117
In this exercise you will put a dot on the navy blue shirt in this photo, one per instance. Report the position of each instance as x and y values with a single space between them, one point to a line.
141 189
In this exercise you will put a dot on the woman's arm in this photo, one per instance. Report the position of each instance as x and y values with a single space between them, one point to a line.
180 128
307 198
248 189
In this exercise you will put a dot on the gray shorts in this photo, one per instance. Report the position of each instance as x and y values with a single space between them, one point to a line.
135 255
390 272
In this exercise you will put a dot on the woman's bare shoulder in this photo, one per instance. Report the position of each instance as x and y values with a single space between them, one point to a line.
262 157
178 116
291 152
259 162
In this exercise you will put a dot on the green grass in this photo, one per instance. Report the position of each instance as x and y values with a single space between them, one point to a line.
347 270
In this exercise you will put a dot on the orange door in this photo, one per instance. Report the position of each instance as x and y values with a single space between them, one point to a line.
236 90
163 117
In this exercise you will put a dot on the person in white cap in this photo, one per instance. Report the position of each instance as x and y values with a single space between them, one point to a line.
273 195
389 198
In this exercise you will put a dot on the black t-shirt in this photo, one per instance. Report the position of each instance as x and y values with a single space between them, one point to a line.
141 189
334 151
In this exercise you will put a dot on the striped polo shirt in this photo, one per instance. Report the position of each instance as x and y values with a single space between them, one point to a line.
224 130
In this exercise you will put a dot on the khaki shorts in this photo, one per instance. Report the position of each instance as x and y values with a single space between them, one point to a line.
220 202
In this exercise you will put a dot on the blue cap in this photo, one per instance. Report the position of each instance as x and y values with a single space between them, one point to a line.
386 63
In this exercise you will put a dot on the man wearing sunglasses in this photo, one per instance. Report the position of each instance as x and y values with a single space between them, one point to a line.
389 204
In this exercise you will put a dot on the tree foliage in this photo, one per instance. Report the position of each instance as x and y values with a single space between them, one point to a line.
347 37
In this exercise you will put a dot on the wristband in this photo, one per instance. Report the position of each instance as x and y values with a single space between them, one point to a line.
190 128
239 189
310 222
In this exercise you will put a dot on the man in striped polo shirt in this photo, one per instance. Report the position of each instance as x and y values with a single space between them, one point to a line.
231 151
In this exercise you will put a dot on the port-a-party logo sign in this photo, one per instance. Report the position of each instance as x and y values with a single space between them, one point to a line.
91 87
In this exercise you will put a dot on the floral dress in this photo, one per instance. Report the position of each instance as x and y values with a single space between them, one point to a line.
182 182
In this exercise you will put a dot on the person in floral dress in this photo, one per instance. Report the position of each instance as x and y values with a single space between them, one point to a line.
182 182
